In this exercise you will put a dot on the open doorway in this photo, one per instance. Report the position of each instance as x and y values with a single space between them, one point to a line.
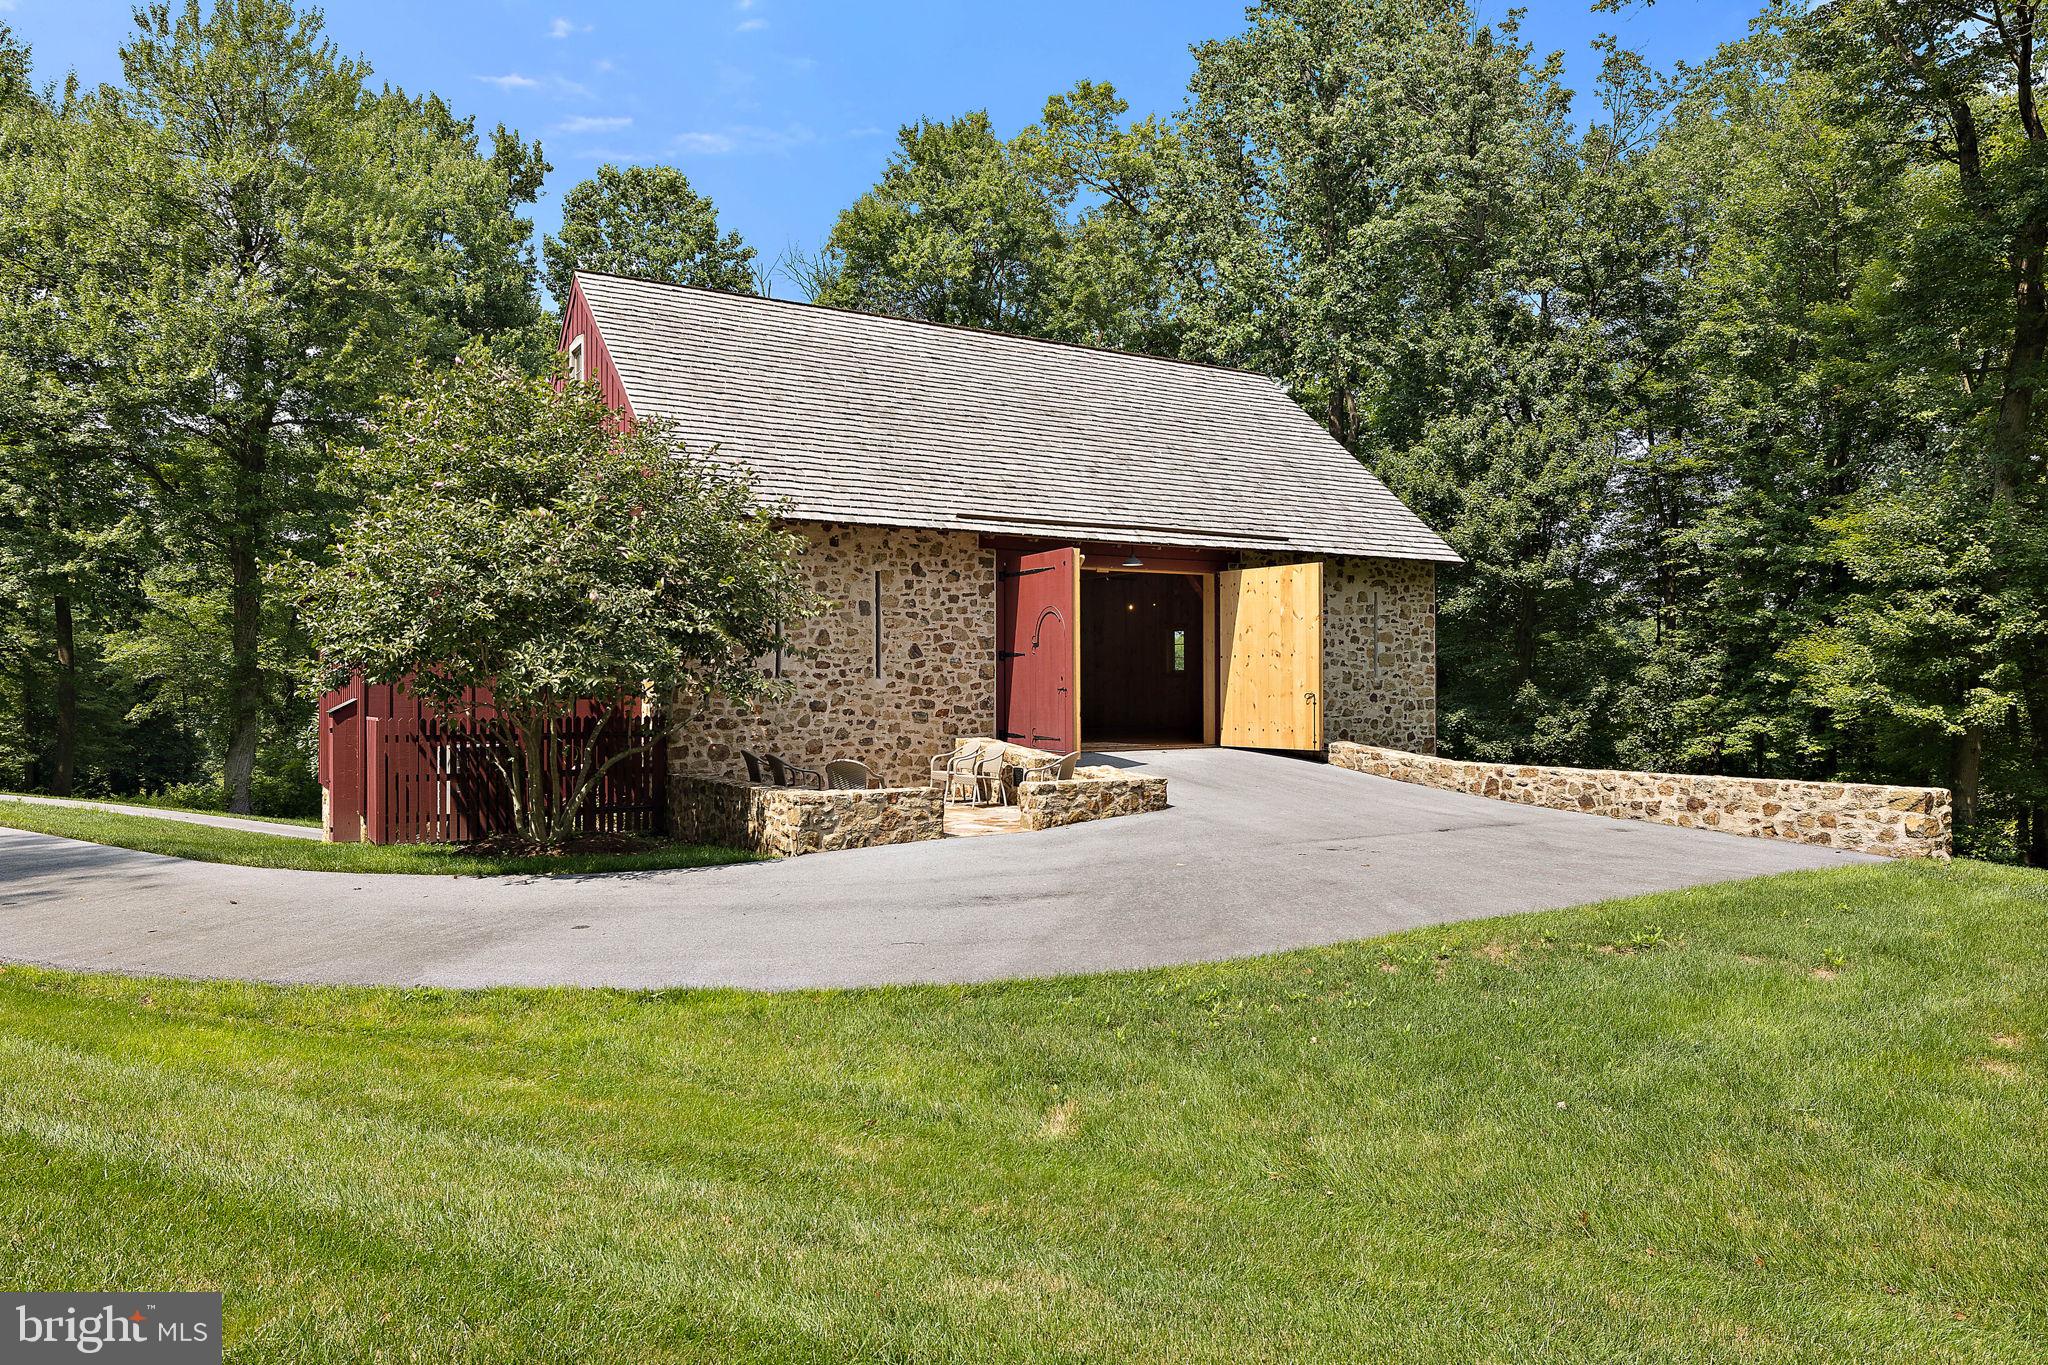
1142 653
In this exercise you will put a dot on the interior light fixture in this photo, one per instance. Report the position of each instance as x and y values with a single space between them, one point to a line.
1133 562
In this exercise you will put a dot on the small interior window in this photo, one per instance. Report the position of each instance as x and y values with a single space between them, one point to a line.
1180 651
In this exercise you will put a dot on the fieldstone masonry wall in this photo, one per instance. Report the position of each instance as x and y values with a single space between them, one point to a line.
1095 793
1379 650
787 821
937 667
1898 822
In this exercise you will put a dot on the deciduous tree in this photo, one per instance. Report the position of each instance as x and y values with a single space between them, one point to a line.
257 245
514 537
645 221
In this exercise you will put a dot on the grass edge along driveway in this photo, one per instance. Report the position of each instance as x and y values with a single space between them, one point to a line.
1795 1118
213 844
161 803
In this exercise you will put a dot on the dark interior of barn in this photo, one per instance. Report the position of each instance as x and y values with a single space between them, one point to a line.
1141 658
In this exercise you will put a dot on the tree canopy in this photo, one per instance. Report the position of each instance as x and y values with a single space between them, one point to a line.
1045 234
513 537
221 265
645 221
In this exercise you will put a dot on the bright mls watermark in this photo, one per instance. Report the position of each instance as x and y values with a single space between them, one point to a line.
164 1329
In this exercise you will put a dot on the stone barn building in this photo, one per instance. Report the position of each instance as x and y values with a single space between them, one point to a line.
1028 539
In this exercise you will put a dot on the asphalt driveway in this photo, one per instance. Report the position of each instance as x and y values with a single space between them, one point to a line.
1259 853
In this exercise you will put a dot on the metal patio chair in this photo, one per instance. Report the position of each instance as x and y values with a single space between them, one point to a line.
991 780
787 774
754 766
848 775
953 771
1059 769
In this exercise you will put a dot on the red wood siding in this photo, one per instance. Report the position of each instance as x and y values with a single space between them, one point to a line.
396 772
597 357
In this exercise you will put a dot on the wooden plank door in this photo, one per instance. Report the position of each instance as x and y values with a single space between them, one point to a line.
1038 640
1269 659
345 771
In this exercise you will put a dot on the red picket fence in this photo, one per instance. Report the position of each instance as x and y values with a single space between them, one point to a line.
397 773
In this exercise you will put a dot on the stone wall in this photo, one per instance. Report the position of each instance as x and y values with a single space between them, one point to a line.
1898 822
787 821
1094 793
1379 649
1379 653
937 668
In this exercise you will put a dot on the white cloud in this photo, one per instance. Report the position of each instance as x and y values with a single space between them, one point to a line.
566 28
594 123
557 86
710 144
745 139
751 25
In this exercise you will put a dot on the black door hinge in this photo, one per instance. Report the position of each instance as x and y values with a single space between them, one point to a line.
1009 654
1025 573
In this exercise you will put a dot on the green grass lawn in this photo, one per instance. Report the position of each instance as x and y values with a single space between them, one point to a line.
162 803
212 844
1801 1118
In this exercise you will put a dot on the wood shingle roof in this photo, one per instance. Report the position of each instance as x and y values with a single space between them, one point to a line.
852 417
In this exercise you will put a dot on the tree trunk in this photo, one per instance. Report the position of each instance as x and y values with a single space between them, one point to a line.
538 813
67 699
2034 841
1966 771
245 671
2012 432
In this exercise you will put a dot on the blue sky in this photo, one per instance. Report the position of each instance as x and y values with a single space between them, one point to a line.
783 111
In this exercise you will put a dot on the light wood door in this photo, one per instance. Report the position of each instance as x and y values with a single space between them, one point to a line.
1269 659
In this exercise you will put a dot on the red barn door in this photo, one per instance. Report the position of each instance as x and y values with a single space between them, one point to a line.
1038 664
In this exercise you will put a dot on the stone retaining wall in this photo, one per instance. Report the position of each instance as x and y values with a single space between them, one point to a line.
1898 822
787 821
1096 791
1092 794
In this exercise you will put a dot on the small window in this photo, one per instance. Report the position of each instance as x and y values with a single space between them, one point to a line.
1180 651
577 370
